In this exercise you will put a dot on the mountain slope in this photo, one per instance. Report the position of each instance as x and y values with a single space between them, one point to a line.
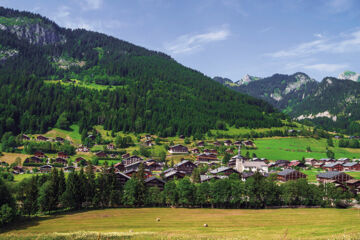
142 90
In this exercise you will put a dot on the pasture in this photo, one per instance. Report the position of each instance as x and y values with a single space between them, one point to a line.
140 223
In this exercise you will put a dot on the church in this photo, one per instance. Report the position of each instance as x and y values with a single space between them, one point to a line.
244 165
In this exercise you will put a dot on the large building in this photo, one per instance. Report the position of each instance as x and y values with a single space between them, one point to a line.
244 165
290 174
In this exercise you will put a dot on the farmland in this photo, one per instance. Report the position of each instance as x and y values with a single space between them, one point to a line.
188 224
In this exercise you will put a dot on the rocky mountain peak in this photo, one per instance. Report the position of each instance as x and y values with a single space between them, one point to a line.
349 75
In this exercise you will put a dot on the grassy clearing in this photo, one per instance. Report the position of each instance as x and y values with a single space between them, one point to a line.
294 148
11 157
82 84
72 135
188 224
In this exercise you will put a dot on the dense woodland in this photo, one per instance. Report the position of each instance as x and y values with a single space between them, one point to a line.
150 92
53 192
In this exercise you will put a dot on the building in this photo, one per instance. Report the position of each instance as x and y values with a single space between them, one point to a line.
131 160
45 169
241 164
121 179
296 163
224 171
33 159
351 166
60 139
69 169
173 174
110 146
200 144
39 154
120 166
248 144
154 182
25 137
217 144
62 155
195 151
206 157
227 142
132 172
354 185
148 143
101 154
60 160
185 166
178 149
333 166
290 174
42 138
327 177
126 155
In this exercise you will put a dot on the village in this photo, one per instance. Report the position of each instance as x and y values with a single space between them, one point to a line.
212 160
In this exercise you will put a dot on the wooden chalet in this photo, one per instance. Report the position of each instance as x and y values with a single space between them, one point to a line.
296 163
42 138
327 177
185 166
227 142
121 179
80 161
213 151
110 146
201 144
333 167
131 160
132 172
126 155
224 171
120 166
310 161
148 143
25 137
62 155
154 182
101 154
281 163
354 185
206 157
154 166
173 174
351 166
33 159
60 139
60 160
237 143
18 170
290 174
318 164
45 169
178 149
217 144
195 151
39 154
92 137
182 136
208 178
248 143
82 149
229 151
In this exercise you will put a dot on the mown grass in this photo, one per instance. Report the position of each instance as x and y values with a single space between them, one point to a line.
188 224
72 134
11 157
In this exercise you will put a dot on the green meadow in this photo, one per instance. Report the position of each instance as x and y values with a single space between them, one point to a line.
141 223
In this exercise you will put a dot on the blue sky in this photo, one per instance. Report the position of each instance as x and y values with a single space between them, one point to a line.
228 38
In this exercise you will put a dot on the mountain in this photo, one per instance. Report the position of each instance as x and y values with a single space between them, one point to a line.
52 76
348 75
247 79
331 104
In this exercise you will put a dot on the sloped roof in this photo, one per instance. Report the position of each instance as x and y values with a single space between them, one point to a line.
153 178
350 164
286 172
328 175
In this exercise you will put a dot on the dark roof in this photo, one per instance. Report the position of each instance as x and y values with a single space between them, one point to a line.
221 169
328 175
286 172
329 165
153 178
122 174
183 162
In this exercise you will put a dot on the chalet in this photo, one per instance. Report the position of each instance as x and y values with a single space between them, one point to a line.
237 143
101 154
120 167
227 142
337 137
92 137
354 185
82 149
333 166
195 151
69 169
282 163
246 175
132 166
200 144
33 159
126 155
351 166
213 151
42 138
207 178
59 139
318 164
182 136
80 161
148 137
148 143
178 149
251 166
45 169
217 144
60 160
185 166
327 177
62 155
310 161
326 160
296 163
171 175
290 174
132 172
154 166
248 144
113 155
110 146
121 178
39 154
229 151
18 170
224 171
206 157
131 160
154 182
344 160
25 137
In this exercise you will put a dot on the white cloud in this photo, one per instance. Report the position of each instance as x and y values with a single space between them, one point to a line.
329 68
190 43
90 4
342 44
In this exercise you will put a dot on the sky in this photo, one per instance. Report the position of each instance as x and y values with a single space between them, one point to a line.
227 38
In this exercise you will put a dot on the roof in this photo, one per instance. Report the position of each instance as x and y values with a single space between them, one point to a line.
204 178
352 181
153 178
178 145
183 162
350 164
330 165
328 175
122 174
220 169
173 172
286 172
257 164
247 174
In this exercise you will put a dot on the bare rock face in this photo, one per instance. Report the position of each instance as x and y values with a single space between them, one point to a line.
37 33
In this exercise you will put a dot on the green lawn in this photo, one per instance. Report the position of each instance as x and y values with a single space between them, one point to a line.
82 84
188 224
294 148
72 134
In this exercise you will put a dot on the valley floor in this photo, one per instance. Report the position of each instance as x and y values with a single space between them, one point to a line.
185 223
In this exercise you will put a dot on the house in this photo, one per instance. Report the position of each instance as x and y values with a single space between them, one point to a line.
45 169
39 154
185 166
18 170
33 159
207 178
227 142
80 161
182 136
224 171
69 169
42 138
344 160
154 182
82 149
237 143
60 160
333 166
326 160
110 146
132 172
92 137
206 157
195 151
132 166
131 160
229 151
296 163
217 144
200 144
126 155
354 185
172 174
62 155
327 177
318 164
282 163
310 161
248 144
101 154
246 175
25 137
154 166
148 137
121 179
290 174
178 149
59 139
251 166
351 166
120 166
148 143
213 151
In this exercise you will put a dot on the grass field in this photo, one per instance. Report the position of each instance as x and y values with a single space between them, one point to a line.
188 224
80 84
71 135
11 157
294 148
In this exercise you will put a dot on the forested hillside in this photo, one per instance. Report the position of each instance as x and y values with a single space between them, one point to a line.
53 76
